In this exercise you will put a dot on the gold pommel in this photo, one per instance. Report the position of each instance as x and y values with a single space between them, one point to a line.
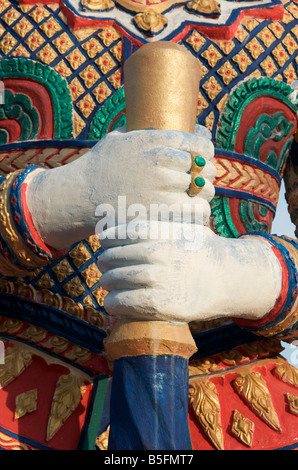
161 81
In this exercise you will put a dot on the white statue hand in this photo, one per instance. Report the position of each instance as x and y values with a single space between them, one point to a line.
177 280
146 167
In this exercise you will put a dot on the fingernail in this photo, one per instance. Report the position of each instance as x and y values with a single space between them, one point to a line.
200 182
200 161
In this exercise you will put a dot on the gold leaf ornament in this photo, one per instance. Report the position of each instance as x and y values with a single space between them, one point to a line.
98 5
204 401
253 389
150 21
205 7
17 359
68 394
242 428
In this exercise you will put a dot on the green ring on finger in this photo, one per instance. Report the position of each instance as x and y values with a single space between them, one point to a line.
199 181
200 161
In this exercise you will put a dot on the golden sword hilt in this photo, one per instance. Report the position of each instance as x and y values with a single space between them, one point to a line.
161 81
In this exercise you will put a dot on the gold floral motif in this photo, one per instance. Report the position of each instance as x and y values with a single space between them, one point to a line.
93 242
56 344
202 104
253 389
242 60
115 79
277 29
34 41
76 89
108 36
92 47
266 37
268 66
205 7
98 5
33 334
263 348
95 317
23 27
99 295
20 51
256 74
25 8
17 359
25 290
11 16
51 299
102 441
78 355
105 63
101 92
280 55
243 428
45 282
293 9
196 40
11 326
88 301
204 401
150 21
221 104
295 31
212 55
7 43
68 394
287 373
290 43
79 124
39 14
50 27
255 48
63 43
293 403
47 54
3 5
86 105
26 403
241 34
226 46
227 72
84 33
287 18
212 88
203 366
209 121
91 275
117 51
290 74
79 255
249 23
76 59
233 357
74 287
73 308
90 76
2 30
62 69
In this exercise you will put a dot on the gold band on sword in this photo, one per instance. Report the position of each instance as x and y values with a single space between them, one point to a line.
137 338
161 82
9 231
